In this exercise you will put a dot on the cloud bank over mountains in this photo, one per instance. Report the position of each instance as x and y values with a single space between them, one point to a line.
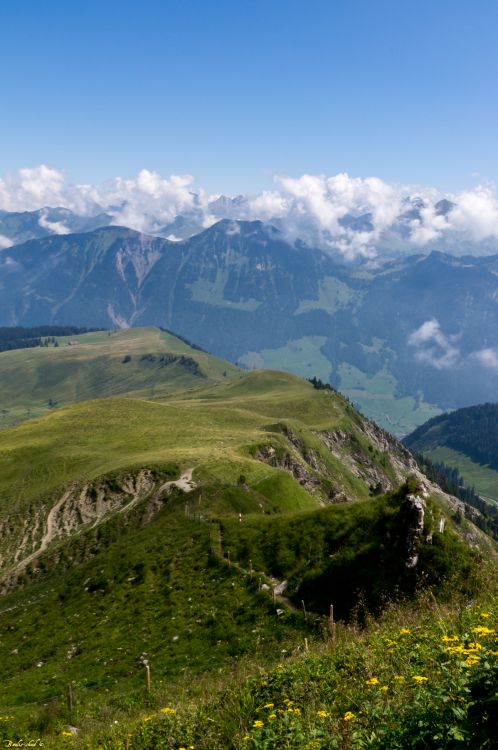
442 351
354 216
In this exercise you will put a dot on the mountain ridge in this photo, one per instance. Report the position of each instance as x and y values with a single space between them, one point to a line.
202 529
394 337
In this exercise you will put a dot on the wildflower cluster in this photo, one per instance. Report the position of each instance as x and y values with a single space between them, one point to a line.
424 678
157 725
424 685
282 725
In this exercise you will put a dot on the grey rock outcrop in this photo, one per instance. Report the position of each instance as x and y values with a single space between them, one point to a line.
414 510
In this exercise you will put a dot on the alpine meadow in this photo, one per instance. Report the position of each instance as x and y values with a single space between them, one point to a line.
248 375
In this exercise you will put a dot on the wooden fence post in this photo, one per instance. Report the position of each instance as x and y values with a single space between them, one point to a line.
69 693
332 624
147 678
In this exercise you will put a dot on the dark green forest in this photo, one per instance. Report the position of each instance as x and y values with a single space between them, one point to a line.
472 430
27 338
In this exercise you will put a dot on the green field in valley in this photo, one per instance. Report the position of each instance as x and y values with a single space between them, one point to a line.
482 478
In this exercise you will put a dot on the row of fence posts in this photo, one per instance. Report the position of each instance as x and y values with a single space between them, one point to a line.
331 620
332 632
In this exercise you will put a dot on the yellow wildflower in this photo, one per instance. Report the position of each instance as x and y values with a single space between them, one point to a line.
419 678
399 677
147 718
405 631
322 714
485 614
455 649
373 681
348 716
168 710
384 688
67 734
258 723
271 717
471 661
449 638
268 705
483 630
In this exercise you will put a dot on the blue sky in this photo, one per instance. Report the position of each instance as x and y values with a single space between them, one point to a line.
235 92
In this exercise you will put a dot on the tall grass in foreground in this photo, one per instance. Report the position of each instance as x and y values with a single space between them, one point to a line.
423 676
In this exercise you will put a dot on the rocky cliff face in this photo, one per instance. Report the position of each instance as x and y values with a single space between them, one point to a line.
413 510
383 464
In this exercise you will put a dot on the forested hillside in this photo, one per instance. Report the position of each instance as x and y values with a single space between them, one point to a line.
472 430
19 337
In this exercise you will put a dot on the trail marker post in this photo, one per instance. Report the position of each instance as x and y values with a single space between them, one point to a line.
69 693
332 624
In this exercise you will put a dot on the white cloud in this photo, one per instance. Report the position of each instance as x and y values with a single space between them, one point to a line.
56 227
233 229
487 357
476 213
5 242
312 207
144 203
433 347
429 227
150 201
340 213
268 205
29 189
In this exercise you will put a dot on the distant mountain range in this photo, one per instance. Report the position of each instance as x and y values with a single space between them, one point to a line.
404 339
17 227
418 226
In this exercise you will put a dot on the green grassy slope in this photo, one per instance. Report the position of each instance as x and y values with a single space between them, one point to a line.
103 564
154 589
424 677
483 478
161 585
217 431
100 365
375 394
